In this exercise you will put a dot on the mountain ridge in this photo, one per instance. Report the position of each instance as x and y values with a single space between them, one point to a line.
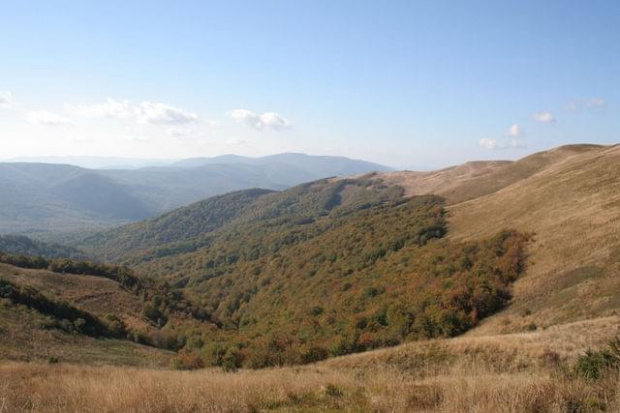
69 198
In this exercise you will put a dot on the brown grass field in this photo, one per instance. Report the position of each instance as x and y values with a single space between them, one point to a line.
519 360
526 372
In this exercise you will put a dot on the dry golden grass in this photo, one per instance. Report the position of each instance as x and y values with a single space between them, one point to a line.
22 338
509 373
569 197
476 179
461 388
24 335
508 353
97 295
573 207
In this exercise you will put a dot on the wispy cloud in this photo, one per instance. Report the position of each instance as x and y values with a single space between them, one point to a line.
595 103
578 105
43 117
267 120
495 144
6 100
146 112
544 117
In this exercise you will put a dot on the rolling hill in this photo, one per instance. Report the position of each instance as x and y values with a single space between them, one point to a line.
519 259
48 197
569 197
330 267
564 198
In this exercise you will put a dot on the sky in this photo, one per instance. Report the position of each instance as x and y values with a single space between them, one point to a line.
411 84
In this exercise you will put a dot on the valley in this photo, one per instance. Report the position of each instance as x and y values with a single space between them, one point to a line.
475 288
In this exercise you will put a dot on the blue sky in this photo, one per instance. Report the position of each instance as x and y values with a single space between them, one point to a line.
405 83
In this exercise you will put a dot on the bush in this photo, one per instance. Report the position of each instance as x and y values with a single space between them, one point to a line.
592 365
232 360
314 354
188 360
332 390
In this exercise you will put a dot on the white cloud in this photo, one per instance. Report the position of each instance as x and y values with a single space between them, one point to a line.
43 117
515 131
109 109
544 117
162 114
6 100
488 143
267 120
496 144
146 112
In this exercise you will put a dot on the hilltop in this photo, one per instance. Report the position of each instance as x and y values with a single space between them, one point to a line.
569 197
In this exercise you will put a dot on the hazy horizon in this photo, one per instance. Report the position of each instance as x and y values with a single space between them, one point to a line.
108 162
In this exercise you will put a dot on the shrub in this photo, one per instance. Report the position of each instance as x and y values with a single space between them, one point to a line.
332 390
188 360
592 365
232 360
316 311
314 354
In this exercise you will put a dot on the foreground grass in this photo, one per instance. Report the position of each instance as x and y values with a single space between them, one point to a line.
525 372
462 388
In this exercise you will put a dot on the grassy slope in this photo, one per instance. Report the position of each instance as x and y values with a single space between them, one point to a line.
511 373
573 207
570 292
570 198
476 179
97 295
24 336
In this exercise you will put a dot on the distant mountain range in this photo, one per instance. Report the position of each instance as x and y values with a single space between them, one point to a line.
43 196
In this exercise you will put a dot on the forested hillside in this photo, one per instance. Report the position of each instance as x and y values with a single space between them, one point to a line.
327 268
21 245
